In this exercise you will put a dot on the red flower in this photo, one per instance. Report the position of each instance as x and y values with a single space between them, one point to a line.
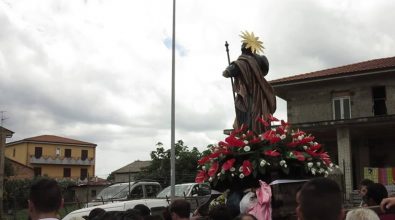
315 147
271 153
263 121
297 134
299 155
293 144
223 144
283 123
271 136
280 130
228 164
255 140
307 140
204 160
247 168
213 169
201 176
325 157
271 118
234 142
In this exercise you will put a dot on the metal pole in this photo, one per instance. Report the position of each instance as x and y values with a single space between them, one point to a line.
231 78
172 149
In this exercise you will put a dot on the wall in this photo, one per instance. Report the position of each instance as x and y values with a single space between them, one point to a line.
123 177
310 103
56 171
20 153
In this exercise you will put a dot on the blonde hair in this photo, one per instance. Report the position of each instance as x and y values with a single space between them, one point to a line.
362 214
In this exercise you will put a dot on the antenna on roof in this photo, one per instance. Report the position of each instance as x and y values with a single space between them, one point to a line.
3 118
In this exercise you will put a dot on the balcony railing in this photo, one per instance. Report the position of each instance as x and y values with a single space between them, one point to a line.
61 160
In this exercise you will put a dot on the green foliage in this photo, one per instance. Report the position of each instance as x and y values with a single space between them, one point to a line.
8 169
186 163
111 177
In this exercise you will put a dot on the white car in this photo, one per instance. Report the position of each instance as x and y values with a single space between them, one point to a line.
156 205
126 191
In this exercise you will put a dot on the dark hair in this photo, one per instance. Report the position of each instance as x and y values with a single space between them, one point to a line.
113 215
46 195
181 207
376 192
219 212
320 198
366 182
241 216
153 217
144 210
133 214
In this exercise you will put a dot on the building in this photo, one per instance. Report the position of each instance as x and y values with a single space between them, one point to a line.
54 156
87 191
351 110
129 172
19 171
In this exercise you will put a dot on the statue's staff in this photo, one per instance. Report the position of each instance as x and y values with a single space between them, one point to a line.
231 78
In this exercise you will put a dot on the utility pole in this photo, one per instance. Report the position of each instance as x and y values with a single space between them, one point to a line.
173 85
2 146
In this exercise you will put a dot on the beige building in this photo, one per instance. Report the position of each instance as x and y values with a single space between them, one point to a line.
54 156
129 172
351 110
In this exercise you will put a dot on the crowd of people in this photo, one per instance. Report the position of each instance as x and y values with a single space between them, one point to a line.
319 198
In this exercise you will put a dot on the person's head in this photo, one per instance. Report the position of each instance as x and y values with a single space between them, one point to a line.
45 199
219 212
376 192
113 215
362 214
132 214
180 209
319 198
245 217
144 210
363 186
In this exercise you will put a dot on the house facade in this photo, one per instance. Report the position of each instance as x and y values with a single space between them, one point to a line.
351 110
54 156
129 172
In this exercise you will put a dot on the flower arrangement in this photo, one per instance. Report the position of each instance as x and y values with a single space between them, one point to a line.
246 154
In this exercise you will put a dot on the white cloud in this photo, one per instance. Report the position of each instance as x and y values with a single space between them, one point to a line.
100 71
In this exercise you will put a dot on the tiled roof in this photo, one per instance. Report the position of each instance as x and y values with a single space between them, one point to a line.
52 139
366 66
134 167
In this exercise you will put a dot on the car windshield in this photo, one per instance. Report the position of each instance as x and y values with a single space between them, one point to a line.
180 190
114 192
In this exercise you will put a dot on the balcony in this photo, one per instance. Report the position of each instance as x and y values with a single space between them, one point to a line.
58 160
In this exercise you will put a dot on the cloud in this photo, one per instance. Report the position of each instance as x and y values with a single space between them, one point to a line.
100 71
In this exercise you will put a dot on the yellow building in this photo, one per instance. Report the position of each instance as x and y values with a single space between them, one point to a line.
54 156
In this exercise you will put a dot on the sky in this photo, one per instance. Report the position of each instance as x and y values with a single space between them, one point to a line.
100 70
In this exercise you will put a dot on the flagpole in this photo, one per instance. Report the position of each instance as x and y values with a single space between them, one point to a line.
172 149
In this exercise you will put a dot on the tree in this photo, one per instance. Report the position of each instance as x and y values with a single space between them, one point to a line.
186 163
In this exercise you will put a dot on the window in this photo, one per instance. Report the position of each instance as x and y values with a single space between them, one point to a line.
84 154
57 152
13 152
66 172
379 96
38 152
137 192
152 190
67 152
341 108
84 173
93 193
37 171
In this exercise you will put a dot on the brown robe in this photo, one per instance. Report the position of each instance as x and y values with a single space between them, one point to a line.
255 96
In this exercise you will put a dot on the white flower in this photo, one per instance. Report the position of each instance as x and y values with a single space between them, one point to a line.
285 166
337 167
232 169
330 169
313 171
210 179
245 142
300 137
305 147
247 148
178 157
318 164
283 136
262 163
273 129
223 171
241 176
309 164
240 169
282 162
326 173
321 170
203 167
278 135
331 165
232 174
291 154
244 136
219 174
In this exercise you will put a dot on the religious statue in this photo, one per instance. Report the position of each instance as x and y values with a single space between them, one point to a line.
254 95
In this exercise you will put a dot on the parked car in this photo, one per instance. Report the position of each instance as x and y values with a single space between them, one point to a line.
157 204
126 191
